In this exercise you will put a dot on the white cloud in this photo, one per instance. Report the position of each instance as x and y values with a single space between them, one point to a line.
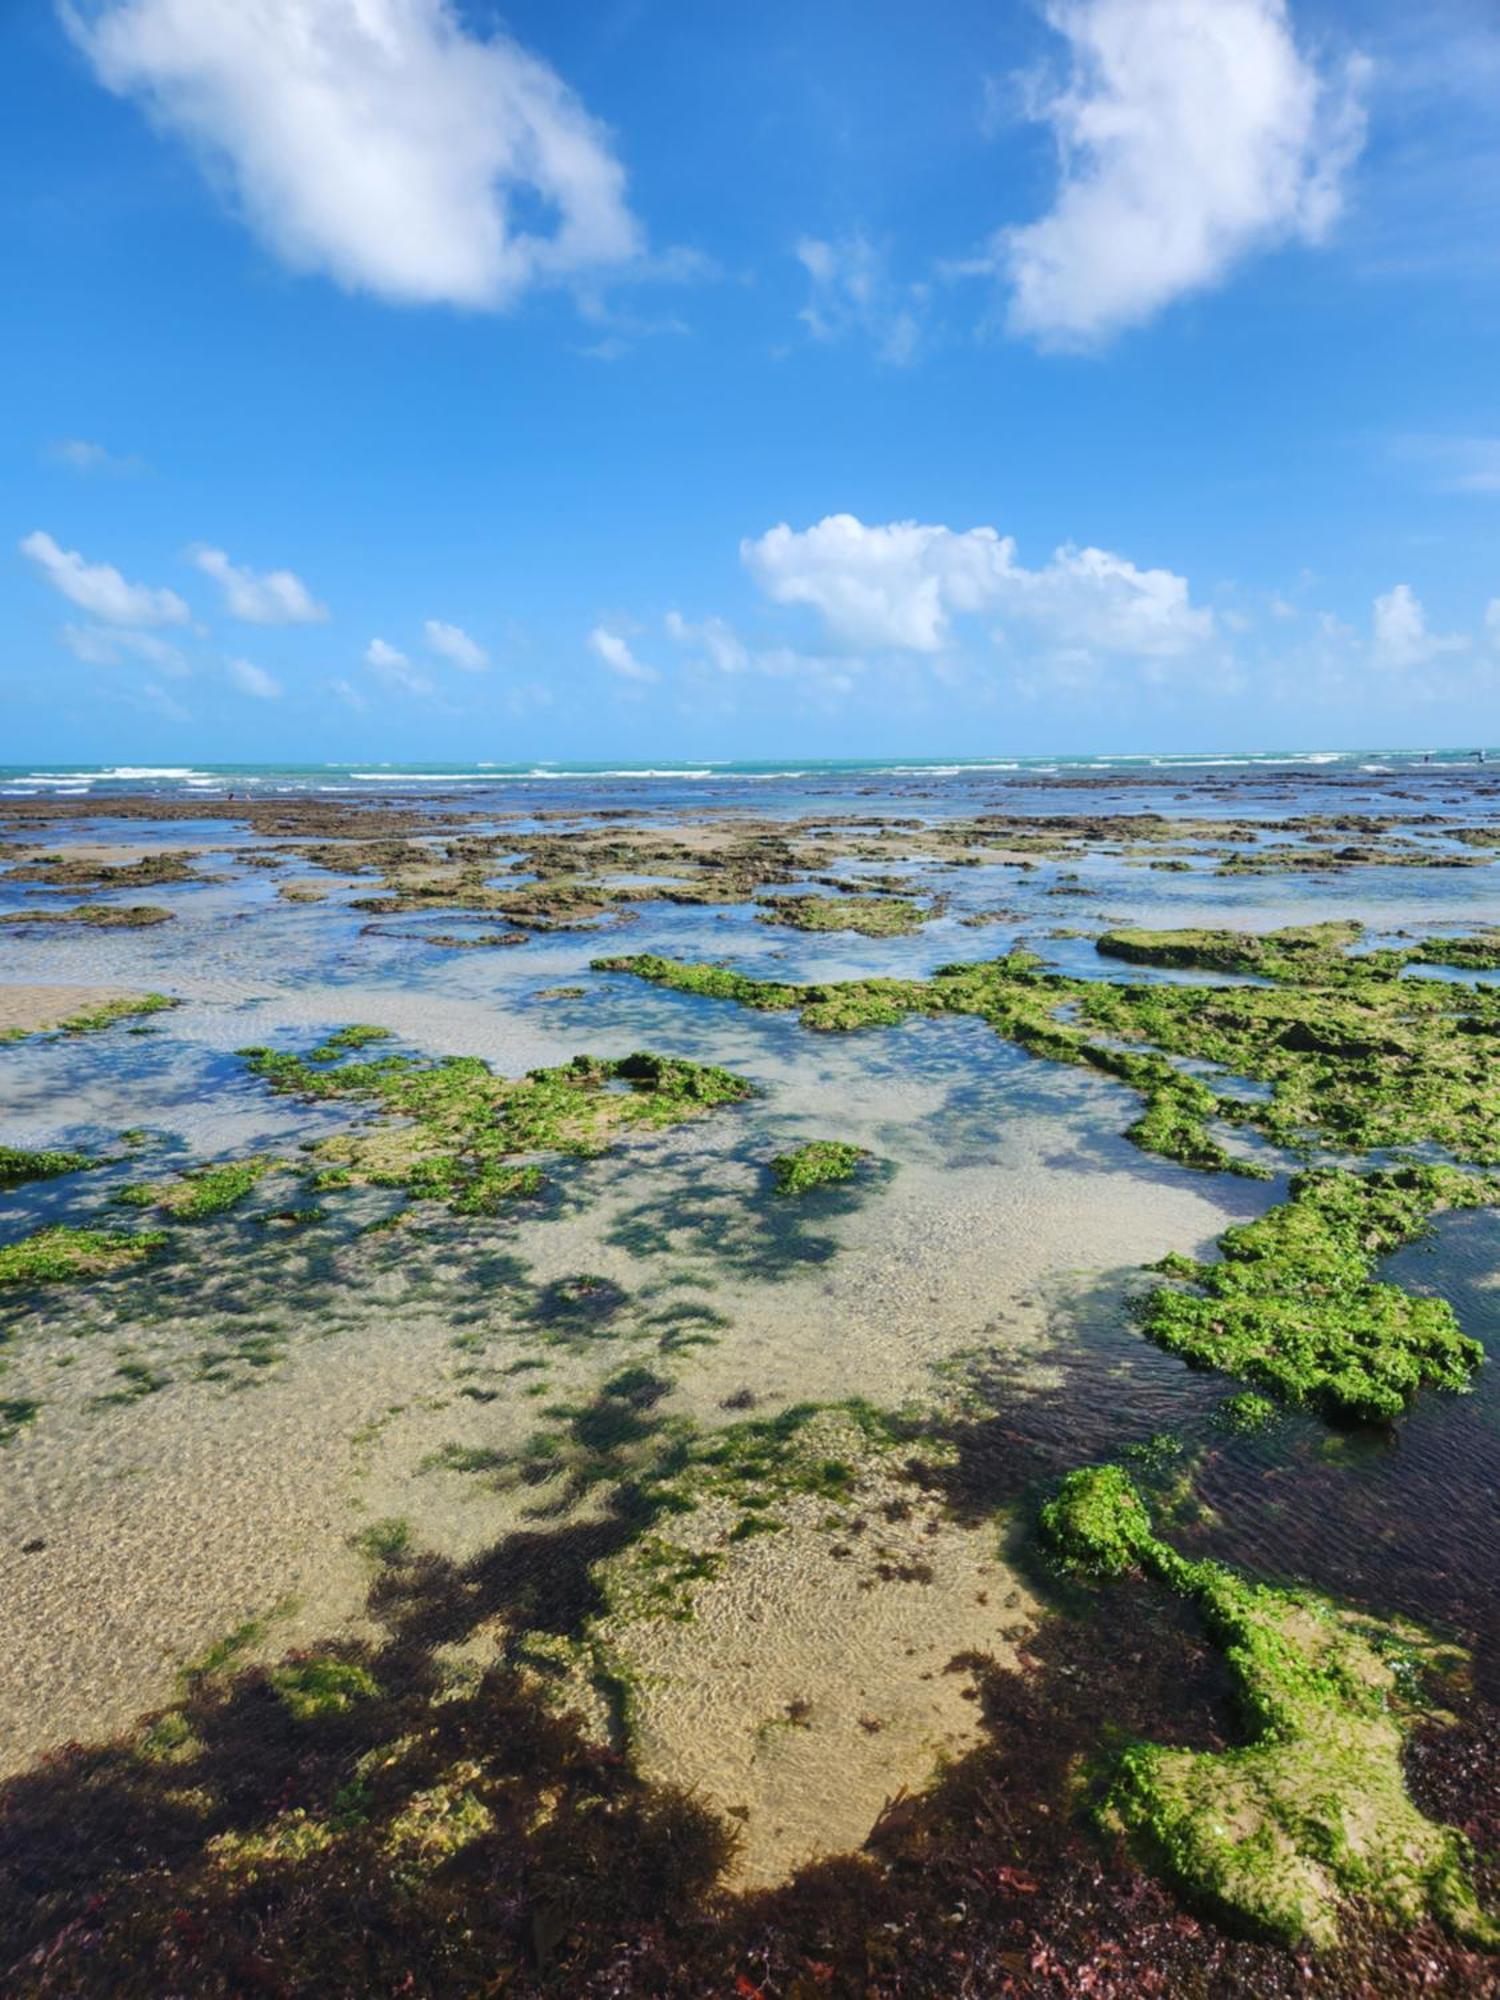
852 291
455 645
614 651
100 589
717 640
1190 133
81 455
101 647
253 680
277 598
377 140
1400 634
394 670
900 585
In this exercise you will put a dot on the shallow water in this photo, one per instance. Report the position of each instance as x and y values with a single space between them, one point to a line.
304 1381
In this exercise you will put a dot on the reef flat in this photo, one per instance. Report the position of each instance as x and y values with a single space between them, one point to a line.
927 1427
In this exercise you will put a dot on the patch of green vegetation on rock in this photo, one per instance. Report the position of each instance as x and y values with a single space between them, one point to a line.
1292 1305
92 1019
458 1129
870 916
1246 1414
61 1254
99 916
202 1192
820 1163
1311 1812
18 1166
318 1687
1293 953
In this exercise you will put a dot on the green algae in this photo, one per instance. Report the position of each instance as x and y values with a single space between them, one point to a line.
18 1166
92 1019
61 1254
1292 1305
1352 1055
1348 1052
203 1192
1311 1812
318 1687
1246 1414
98 916
819 1163
462 1127
870 916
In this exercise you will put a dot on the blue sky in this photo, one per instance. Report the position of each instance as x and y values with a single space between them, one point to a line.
409 379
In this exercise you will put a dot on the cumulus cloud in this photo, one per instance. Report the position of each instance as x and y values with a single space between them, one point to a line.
394 670
615 652
277 598
378 141
101 647
900 585
1190 133
99 589
1400 636
851 290
253 680
455 646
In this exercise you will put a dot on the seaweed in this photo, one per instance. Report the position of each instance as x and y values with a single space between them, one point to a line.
1292 1305
463 1130
18 1166
1311 1811
819 1163
60 1254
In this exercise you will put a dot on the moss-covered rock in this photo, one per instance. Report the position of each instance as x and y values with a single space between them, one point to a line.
1311 1812
459 1134
18 1166
60 1254
1292 1305
819 1163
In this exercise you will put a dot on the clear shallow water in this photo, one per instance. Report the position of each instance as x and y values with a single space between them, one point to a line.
1002 1242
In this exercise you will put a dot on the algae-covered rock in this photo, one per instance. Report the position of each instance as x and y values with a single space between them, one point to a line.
60 1254
1293 1307
1311 1812
820 1163
459 1134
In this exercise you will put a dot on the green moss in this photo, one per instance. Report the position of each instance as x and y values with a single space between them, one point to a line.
462 1127
18 1167
1311 1811
318 1687
60 1254
820 1163
1292 1305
